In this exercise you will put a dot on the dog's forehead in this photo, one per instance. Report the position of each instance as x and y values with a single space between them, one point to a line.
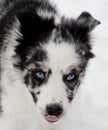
61 55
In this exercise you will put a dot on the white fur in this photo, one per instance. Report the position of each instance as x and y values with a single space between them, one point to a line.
45 14
61 57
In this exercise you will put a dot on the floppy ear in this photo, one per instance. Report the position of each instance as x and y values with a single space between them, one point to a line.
87 20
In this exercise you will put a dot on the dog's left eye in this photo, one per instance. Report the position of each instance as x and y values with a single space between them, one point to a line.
71 77
39 75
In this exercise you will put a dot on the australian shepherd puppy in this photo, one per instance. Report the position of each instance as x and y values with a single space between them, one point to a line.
43 59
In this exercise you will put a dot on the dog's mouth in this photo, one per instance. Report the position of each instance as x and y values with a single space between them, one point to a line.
51 118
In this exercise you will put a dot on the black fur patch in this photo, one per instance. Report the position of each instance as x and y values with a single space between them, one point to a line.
39 55
34 96
34 31
69 95
30 79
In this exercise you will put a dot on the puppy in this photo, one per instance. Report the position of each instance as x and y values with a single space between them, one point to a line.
43 61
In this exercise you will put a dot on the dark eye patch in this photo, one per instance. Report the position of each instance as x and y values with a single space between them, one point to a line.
36 77
71 79
72 76
39 75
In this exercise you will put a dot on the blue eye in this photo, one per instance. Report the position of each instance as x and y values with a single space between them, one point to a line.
70 77
39 75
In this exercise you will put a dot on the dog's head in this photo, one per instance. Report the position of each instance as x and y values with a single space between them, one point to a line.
52 57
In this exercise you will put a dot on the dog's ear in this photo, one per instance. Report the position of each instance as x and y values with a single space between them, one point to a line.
79 29
87 20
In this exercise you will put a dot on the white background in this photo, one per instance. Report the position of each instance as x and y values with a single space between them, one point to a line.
90 107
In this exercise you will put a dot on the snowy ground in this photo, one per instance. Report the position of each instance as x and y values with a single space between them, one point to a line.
90 107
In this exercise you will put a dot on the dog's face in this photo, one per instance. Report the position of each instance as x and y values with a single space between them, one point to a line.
52 58
54 80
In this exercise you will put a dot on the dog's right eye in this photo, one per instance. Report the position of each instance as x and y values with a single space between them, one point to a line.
39 75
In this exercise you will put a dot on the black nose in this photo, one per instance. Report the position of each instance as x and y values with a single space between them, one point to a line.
54 109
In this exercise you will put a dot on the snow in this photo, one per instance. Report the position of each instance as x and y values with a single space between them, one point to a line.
89 109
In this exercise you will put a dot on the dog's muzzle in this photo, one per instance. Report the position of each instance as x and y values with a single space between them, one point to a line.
54 111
